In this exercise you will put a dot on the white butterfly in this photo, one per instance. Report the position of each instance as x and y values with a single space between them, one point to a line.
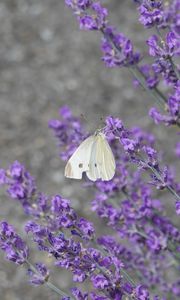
94 156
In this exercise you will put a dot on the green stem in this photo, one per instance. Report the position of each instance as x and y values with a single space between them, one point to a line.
56 290
172 249
155 93
175 69
128 278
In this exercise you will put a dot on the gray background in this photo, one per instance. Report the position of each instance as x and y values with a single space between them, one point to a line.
46 62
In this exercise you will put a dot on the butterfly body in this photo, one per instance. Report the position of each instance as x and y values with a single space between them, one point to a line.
94 157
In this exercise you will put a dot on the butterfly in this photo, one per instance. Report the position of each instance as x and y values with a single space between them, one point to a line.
94 157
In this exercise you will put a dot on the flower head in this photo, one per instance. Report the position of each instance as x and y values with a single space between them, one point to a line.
40 276
11 243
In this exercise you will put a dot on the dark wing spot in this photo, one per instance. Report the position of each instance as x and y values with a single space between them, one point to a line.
80 166
95 165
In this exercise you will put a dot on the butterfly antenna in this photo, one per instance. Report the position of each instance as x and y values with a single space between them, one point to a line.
102 124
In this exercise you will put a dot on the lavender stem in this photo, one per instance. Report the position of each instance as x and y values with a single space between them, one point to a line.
152 92
158 175
48 283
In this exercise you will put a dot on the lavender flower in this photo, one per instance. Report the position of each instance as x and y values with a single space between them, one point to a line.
117 49
173 109
160 16
137 216
21 184
178 207
142 240
142 293
94 19
103 270
40 276
151 13
15 248
68 131
79 295
152 78
167 49
158 13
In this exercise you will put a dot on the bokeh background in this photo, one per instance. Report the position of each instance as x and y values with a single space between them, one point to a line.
46 62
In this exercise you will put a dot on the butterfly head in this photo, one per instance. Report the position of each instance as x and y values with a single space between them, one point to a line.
99 131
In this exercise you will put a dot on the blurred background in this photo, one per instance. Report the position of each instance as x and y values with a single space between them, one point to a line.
46 62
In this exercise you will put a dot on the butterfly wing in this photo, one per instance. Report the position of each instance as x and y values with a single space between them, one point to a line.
102 163
94 166
79 161
108 162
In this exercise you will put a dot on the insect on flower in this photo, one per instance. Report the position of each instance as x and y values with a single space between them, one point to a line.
94 157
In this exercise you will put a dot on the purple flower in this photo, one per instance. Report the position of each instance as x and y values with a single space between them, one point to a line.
178 207
95 296
155 114
151 13
78 294
159 118
99 281
79 275
21 184
165 50
15 248
87 22
141 239
40 276
154 49
155 240
125 203
86 227
81 4
69 132
117 49
58 205
176 288
129 145
92 19
17 191
151 77
142 293
3 177
174 103
143 137
159 14
16 170
151 155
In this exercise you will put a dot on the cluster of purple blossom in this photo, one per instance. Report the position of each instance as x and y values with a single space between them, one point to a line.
163 47
127 206
126 203
130 263
57 230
